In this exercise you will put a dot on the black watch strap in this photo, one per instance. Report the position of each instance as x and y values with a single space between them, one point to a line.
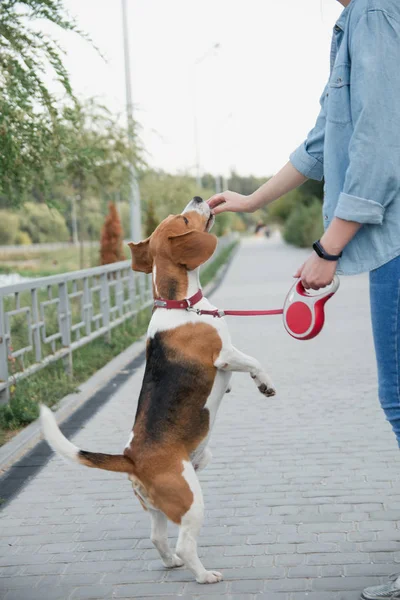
320 250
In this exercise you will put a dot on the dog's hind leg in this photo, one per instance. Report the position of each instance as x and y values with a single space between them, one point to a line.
159 537
191 523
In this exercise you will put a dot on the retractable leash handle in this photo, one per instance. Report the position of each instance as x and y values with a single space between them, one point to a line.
303 313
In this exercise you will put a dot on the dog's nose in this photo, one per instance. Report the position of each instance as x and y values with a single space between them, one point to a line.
198 199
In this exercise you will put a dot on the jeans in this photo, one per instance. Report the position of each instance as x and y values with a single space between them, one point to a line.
385 308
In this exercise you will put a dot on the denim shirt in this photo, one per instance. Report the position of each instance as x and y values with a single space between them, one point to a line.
355 144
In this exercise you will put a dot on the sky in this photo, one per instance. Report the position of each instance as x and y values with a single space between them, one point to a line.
254 98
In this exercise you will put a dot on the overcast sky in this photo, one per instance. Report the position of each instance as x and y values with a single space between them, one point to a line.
256 97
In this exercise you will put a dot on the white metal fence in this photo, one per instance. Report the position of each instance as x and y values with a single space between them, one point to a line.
44 320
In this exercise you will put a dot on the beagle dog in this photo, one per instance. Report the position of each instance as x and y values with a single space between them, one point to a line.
190 358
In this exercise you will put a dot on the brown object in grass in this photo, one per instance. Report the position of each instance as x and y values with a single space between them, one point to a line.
111 250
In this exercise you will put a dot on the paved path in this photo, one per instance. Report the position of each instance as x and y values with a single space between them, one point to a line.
302 496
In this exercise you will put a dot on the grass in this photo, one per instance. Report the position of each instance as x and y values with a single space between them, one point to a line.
209 272
51 384
41 263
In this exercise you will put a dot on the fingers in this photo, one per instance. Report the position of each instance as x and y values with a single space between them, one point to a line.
299 271
216 200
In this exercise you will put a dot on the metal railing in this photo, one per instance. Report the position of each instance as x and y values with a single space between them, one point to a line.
44 320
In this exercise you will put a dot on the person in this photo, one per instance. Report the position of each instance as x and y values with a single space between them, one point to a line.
355 147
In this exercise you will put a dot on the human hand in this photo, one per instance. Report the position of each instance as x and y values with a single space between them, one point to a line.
230 201
316 272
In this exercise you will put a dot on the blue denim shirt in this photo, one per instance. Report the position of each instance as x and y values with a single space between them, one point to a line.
355 144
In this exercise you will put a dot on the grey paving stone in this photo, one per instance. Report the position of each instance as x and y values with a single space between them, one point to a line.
343 583
43 593
153 590
92 592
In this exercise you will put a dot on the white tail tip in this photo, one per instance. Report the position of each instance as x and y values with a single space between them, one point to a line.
54 437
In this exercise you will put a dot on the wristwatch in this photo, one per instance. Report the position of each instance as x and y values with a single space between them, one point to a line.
320 250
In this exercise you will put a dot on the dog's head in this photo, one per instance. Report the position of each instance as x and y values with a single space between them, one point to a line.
183 240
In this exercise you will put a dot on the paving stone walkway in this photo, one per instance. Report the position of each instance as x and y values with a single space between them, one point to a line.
302 496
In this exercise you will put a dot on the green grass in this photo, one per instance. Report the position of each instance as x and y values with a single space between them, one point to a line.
209 272
41 263
51 384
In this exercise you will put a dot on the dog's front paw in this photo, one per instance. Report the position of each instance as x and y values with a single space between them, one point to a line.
210 577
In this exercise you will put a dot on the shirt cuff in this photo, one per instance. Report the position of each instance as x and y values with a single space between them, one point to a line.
360 210
305 163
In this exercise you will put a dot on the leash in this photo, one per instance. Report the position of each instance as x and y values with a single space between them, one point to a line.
303 313
189 305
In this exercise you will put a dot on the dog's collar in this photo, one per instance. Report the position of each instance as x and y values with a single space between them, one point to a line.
185 303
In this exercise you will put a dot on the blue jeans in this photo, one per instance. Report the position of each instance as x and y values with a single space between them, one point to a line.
385 309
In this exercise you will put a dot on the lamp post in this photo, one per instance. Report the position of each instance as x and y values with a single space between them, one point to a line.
134 195
214 48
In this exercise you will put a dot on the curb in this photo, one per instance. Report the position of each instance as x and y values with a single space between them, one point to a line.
14 450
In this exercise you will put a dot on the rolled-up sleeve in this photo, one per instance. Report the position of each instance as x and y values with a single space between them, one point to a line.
308 158
373 176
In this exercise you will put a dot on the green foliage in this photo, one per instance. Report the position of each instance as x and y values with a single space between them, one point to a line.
151 221
304 224
280 211
244 185
23 238
313 188
43 224
9 223
28 110
208 273
168 193
96 150
18 412
95 211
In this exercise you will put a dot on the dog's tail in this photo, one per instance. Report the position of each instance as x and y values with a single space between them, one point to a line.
97 460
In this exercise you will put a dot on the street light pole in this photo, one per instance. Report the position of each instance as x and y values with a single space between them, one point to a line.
134 195
214 48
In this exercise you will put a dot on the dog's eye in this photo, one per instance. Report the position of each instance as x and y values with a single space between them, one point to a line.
186 220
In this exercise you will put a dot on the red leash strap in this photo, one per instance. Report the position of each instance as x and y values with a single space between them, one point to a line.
189 303
238 313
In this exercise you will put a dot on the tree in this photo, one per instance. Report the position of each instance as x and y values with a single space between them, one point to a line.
111 238
96 154
29 112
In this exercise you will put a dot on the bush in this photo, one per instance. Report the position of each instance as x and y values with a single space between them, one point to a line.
111 238
23 239
280 211
9 223
43 224
94 210
304 224
238 224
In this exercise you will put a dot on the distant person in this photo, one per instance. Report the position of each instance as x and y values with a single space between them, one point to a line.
355 146
259 227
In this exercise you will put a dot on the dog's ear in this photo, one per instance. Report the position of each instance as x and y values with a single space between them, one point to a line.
141 257
192 248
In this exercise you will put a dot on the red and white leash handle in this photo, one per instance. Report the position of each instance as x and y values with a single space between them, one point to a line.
303 312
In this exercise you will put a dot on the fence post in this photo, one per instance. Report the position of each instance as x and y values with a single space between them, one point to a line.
119 294
36 325
105 304
87 306
5 393
65 325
